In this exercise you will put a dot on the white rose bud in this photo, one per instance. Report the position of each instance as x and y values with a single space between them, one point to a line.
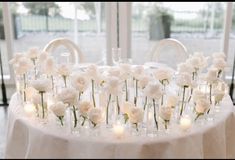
126 107
184 80
137 71
95 115
23 65
136 115
185 67
80 82
172 100
42 84
58 109
218 55
64 69
33 53
49 66
219 63
211 76
153 91
84 107
163 74
202 105
68 95
165 113
143 81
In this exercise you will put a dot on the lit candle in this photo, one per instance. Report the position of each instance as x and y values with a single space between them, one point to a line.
185 123
29 109
118 131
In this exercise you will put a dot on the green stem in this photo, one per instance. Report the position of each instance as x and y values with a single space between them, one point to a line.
118 106
136 92
166 121
65 83
210 93
155 116
79 95
182 106
84 119
43 109
145 103
190 95
75 116
93 92
198 115
126 90
61 120
107 110
125 117
136 127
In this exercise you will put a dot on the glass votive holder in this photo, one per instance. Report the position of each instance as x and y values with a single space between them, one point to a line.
185 123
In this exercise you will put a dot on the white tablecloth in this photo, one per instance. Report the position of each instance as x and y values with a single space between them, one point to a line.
29 139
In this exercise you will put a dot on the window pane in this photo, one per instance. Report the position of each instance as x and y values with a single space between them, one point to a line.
198 25
37 23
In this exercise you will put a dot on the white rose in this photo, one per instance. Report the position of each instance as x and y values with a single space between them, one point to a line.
165 113
33 53
203 59
42 84
211 76
202 105
126 107
218 94
23 65
136 115
92 71
114 71
219 63
125 70
68 95
143 81
218 55
95 115
195 62
153 90
49 67
64 69
16 58
172 100
197 95
30 92
163 74
58 109
84 107
185 67
42 57
112 85
80 82
184 80
137 71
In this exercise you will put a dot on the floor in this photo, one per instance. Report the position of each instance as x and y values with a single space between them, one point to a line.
3 123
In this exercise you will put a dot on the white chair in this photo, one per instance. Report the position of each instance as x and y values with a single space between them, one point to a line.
169 51
75 52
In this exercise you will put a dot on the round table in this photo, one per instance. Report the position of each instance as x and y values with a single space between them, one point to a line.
27 138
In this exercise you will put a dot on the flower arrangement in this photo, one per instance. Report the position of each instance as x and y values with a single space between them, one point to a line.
123 87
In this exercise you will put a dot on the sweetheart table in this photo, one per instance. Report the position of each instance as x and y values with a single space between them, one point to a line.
27 138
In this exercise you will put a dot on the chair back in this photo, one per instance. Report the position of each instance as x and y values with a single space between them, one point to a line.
75 52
